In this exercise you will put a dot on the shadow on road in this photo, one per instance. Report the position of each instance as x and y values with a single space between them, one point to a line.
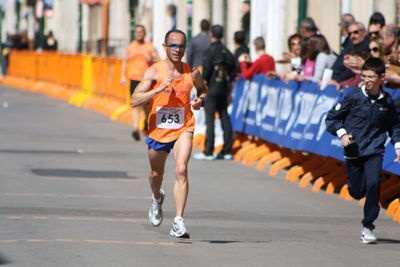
81 173
220 242
3 260
388 241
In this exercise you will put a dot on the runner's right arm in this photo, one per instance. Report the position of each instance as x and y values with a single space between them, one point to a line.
143 94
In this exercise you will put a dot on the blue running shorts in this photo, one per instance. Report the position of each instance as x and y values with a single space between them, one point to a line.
160 146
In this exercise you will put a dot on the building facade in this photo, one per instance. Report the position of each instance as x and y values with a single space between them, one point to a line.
106 26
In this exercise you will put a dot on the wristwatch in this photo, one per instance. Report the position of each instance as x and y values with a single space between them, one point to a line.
203 101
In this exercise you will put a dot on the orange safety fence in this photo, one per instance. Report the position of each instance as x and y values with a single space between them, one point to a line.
83 80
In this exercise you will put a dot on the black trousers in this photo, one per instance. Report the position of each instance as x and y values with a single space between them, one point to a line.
364 180
220 105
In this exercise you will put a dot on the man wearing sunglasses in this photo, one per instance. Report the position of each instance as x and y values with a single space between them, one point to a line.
373 30
359 41
166 86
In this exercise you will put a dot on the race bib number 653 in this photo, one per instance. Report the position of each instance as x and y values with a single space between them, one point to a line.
170 118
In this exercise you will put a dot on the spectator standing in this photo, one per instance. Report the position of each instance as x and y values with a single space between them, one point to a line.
240 48
319 56
51 43
376 48
198 45
308 28
246 20
373 30
171 10
320 52
392 76
264 64
21 41
5 55
219 74
377 18
388 39
140 55
375 24
294 57
356 59
344 24
166 86
294 45
361 121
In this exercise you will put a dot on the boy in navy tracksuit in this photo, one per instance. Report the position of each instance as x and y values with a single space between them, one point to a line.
361 121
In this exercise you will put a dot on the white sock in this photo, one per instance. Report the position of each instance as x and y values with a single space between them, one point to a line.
178 218
158 201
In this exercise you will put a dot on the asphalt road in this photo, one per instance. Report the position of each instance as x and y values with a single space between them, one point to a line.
74 192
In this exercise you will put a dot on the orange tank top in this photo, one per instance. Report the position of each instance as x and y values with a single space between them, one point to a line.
170 111
137 62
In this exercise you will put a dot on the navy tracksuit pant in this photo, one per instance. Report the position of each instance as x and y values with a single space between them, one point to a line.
364 180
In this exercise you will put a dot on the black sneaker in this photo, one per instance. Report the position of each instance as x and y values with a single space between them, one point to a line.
136 135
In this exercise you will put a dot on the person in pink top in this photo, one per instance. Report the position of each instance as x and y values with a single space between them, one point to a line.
264 64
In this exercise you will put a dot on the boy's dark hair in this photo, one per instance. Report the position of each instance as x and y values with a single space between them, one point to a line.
239 37
171 31
374 64
217 31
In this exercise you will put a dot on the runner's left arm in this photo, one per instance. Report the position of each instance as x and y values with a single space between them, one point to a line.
201 88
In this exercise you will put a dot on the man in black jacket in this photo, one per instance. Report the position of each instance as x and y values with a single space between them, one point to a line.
361 121
219 74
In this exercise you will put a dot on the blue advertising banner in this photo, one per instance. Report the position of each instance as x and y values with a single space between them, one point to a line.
278 109
293 115
239 107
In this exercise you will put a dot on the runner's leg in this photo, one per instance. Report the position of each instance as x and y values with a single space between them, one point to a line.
182 151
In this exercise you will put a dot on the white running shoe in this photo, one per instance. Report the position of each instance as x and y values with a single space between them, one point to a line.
225 156
202 156
367 236
178 228
155 212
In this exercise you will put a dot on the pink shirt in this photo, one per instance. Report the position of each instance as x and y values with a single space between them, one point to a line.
309 67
